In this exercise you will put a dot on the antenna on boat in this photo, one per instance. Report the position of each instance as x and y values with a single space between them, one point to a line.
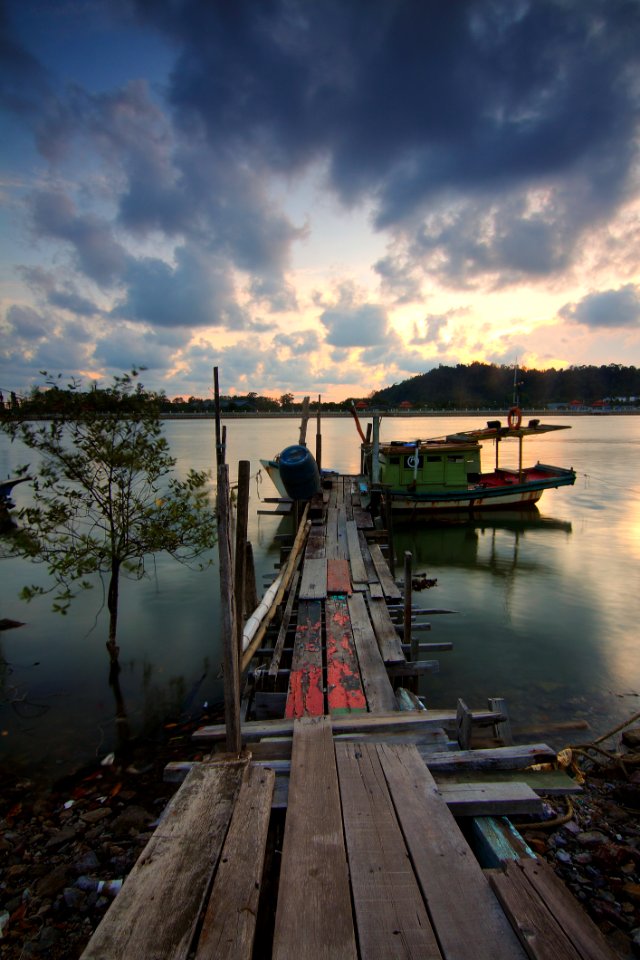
516 385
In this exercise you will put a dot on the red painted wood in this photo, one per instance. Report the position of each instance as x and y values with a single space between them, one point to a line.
305 697
344 684
338 577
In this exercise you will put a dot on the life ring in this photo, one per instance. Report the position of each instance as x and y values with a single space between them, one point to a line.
514 418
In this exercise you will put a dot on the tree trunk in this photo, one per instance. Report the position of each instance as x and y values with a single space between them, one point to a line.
112 607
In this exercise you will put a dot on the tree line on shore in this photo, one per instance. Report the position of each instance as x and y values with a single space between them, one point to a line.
459 387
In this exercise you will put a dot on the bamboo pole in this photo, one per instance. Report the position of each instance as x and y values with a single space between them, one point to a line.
299 542
229 644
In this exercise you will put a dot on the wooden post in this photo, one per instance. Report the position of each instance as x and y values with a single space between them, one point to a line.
216 396
408 632
229 644
242 521
303 423
375 453
250 590
318 437
388 522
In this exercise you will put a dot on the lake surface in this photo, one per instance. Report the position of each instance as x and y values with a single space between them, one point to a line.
547 607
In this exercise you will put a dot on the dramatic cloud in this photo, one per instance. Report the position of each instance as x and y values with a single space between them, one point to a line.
188 168
609 308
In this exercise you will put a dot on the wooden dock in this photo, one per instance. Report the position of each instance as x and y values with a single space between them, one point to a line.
345 828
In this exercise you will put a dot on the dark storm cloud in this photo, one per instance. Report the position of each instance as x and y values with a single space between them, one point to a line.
64 296
27 323
419 103
606 309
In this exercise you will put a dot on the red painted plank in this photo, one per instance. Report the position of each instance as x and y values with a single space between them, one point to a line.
338 577
305 697
344 685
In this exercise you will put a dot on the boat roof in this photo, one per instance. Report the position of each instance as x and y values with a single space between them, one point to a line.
471 438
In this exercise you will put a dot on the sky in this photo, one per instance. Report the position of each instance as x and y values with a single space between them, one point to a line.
319 197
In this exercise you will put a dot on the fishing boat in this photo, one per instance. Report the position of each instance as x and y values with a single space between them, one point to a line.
445 473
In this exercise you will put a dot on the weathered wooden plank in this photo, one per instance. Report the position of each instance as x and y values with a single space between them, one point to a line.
389 642
391 589
540 935
229 923
495 840
284 626
344 685
315 548
338 576
358 571
499 758
464 912
576 924
363 518
544 783
331 527
503 729
305 696
174 868
378 689
463 725
391 916
256 730
313 914
342 546
490 799
313 583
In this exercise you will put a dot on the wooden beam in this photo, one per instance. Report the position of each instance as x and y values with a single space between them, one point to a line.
467 919
256 730
305 696
391 916
386 634
375 680
313 914
344 684
389 586
230 920
175 868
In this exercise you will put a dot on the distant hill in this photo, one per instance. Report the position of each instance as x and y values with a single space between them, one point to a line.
488 385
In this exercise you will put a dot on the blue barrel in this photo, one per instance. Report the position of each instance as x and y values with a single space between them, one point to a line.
299 472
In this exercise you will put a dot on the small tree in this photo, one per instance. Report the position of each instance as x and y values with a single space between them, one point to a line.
104 500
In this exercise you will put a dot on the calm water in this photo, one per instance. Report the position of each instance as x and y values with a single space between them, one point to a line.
546 615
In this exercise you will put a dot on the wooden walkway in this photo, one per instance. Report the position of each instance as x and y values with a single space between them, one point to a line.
336 834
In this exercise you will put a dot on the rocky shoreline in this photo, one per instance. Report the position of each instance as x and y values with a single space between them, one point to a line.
65 851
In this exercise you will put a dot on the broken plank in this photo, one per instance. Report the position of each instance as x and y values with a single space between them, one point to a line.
229 923
313 913
499 758
490 799
375 680
313 583
464 912
391 917
545 783
386 634
305 696
389 586
344 685
175 867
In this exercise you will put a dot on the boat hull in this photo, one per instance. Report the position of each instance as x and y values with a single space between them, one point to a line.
503 489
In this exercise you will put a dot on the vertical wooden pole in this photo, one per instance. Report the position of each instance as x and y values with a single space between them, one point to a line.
242 522
319 437
216 400
388 522
229 644
250 589
408 598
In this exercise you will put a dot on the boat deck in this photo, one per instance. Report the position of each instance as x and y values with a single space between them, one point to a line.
344 828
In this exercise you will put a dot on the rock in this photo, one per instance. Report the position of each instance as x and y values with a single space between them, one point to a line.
87 862
591 838
94 816
61 837
631 738
632 890
131 819
563 856
53 882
